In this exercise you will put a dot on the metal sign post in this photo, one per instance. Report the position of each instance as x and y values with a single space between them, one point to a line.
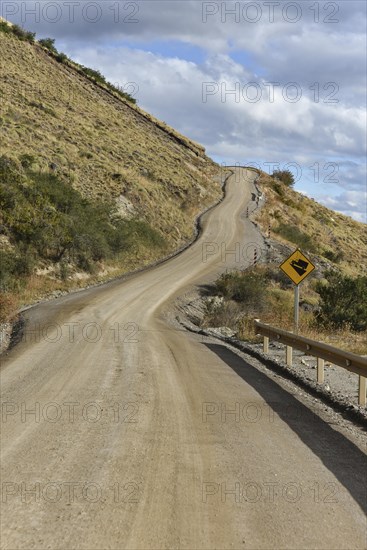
297 267
296 308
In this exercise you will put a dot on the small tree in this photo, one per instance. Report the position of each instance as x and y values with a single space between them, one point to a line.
49 44
285 176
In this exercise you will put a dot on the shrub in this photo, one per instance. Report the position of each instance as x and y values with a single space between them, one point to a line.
122 93
225 315
285 176
49 44
7 268
27 161
62 57
278 277
247 288
23 34
342 302
14 265
93 73
46 217
17 31
5 28
279 189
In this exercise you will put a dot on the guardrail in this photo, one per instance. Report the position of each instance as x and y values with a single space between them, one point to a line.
345 359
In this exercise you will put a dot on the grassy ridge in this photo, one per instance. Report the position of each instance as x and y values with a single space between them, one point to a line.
102 145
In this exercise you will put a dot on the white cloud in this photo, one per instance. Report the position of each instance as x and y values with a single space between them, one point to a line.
352 203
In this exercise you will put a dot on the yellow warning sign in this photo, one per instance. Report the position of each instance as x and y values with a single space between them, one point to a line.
297 267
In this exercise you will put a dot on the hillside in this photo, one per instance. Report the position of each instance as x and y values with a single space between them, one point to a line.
105 146
60 128
296 220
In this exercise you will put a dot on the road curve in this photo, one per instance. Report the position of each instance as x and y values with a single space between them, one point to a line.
121 432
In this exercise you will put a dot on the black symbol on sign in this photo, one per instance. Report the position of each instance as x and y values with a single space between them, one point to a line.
300 266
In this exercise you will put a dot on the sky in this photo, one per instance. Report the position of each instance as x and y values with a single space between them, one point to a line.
272 84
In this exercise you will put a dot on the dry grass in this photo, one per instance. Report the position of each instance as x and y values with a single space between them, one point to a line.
8 305
355 342
107 148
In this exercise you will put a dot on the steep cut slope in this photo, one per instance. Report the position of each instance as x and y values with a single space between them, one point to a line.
106 147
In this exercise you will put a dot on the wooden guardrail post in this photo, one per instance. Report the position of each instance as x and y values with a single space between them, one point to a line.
266 344
320 370
362 391
289 356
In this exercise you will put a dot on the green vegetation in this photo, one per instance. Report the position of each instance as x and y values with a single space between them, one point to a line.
342 302
92 74
68 130
7 307
49 44
45 219
294 218
100 79
278 188
333 310
247 287
285 176
296 236
334 257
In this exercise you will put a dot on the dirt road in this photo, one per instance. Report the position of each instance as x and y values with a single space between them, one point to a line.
122 432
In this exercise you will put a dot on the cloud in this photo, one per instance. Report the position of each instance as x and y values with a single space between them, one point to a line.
351 203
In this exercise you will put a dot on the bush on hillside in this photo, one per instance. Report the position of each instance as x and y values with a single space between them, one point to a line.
61 57
342 302
49 44
5 28
17 31
8 305
248 288
334 257
284 176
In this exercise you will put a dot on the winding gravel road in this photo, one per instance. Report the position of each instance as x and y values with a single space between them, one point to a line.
120 431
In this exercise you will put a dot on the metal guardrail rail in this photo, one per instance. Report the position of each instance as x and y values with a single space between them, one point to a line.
323 352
